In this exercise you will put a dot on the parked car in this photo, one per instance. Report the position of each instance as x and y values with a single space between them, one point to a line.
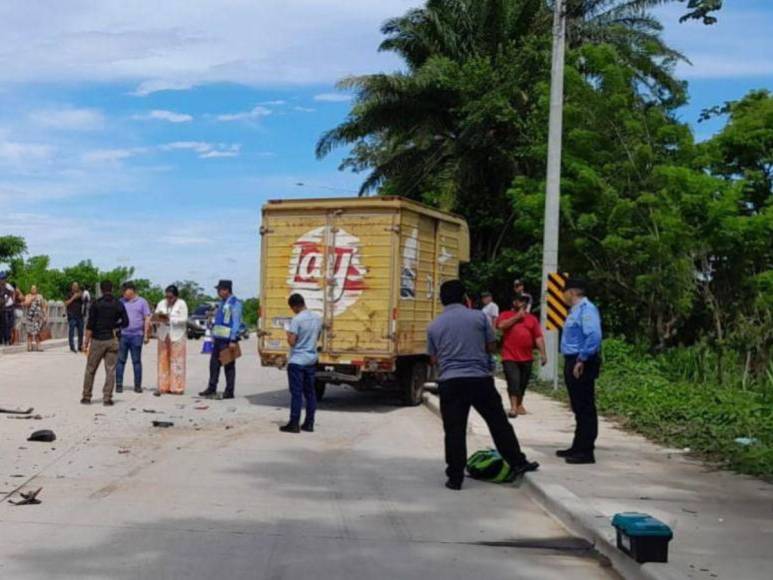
201 318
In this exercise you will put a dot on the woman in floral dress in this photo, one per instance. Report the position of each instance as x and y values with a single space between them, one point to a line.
35 318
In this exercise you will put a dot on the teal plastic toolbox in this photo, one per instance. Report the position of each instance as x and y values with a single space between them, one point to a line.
642 537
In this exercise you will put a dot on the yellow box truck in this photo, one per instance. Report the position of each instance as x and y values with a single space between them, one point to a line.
371 267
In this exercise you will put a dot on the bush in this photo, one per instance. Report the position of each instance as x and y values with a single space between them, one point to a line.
646 393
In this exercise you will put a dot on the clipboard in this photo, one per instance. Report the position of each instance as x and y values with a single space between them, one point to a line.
229 355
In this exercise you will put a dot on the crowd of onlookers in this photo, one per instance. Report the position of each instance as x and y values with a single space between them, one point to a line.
22 312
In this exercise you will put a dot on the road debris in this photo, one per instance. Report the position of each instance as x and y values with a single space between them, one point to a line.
163 424
151 411
123 451
35 417
29 498
17 411
44 435
201 407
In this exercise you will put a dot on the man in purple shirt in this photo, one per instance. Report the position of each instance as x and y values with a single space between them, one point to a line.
133 336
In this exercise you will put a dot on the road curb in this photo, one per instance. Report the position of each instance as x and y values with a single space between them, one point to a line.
583 521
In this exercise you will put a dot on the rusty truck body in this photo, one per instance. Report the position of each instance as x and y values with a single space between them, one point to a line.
371 268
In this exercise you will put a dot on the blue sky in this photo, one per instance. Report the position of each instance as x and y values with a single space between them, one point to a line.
149 134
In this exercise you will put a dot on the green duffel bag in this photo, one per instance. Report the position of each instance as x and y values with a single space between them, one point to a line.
488 465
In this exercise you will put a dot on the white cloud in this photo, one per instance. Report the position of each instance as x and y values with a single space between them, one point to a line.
304 109
205 150
162 115
69 119
111 155
276 103
253 114
16 153
146 88
176 44
333 98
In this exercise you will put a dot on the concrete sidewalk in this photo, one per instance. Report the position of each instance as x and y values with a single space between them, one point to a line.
722 522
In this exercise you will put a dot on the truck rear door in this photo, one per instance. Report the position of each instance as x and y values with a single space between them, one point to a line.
341 263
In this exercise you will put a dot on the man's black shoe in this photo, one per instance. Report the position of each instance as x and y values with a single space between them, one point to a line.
565 452
290 428
580 459
119 388
524 467
455 485
85 401
108 403
207 394
228 395
137 389
308 427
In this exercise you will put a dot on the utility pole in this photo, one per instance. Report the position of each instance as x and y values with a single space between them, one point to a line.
553 190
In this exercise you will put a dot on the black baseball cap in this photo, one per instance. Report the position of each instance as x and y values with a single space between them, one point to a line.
576 284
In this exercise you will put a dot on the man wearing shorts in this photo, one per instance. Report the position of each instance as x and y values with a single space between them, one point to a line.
521 334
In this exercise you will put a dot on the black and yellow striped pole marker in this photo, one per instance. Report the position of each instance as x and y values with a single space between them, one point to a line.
557 308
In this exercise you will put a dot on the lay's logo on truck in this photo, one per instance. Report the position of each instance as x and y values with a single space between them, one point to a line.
344 266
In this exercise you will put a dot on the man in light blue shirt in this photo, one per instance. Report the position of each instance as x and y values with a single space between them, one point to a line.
302 336
581 347
460 342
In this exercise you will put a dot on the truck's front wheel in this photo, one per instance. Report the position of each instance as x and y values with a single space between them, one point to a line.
412 383
319 388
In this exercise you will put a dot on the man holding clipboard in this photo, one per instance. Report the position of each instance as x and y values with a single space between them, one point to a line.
225 332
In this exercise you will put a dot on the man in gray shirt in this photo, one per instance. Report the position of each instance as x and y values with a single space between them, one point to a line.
460 342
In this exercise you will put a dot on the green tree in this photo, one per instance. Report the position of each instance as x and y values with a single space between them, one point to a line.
251 310
743 150
193 293
11 247
469 114
153 293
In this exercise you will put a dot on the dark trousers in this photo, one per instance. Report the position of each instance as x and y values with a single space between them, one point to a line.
301 380
214 369
75 328
130 345
456 398
582 396
6 325
517 375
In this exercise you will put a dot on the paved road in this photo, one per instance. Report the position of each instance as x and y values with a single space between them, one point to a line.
223 494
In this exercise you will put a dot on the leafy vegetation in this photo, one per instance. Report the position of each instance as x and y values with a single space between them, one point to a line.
673 235
674 400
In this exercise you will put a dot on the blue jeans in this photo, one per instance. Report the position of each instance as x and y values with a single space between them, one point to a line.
75 326
133 345
301 380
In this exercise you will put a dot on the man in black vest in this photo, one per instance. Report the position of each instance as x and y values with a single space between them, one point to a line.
106 319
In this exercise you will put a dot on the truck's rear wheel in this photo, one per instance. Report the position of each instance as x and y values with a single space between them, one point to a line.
319 388
412 382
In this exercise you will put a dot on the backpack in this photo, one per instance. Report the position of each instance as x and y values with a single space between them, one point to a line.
488 465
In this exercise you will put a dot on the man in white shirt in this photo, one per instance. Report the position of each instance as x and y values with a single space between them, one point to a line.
490 308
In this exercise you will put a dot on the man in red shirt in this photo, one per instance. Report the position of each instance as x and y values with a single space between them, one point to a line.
521 334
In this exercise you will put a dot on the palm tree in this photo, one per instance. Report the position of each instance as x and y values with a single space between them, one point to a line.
464 118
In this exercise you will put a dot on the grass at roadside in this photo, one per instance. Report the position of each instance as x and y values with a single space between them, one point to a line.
644 394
